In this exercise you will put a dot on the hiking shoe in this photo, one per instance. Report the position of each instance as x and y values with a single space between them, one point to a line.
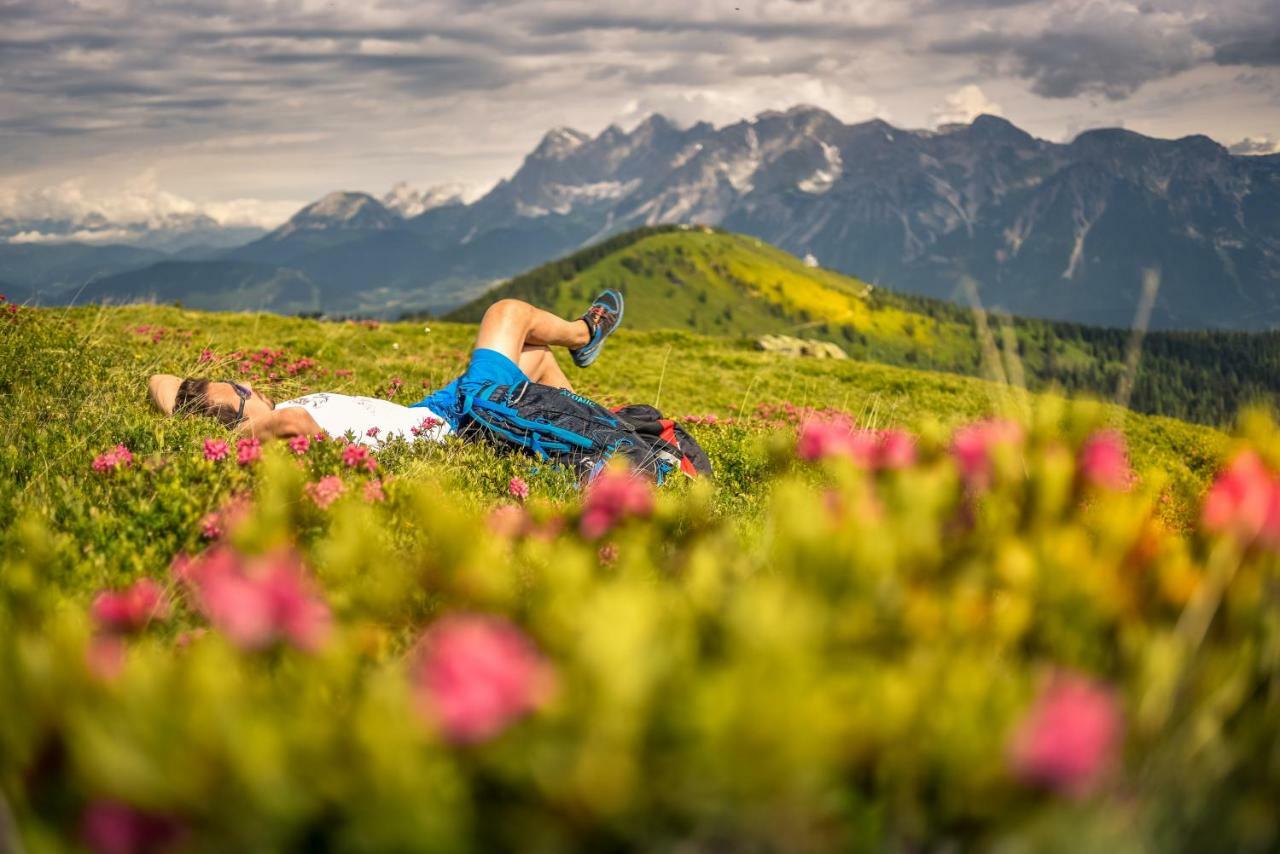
602 318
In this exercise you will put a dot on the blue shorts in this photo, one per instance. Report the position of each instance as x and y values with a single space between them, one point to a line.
487 366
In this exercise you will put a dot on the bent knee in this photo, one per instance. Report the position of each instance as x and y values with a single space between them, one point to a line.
504 308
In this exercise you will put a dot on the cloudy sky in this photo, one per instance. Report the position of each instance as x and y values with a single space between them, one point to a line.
246 109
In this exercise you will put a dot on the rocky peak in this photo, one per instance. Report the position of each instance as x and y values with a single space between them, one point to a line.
559 143
342 211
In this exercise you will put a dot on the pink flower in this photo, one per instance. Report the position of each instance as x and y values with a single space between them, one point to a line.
300 444
131 609
112 827
356 456
1244 502
373 492
118 457
248 451
216 449
326 490
477 675
870 449
428 424
372 432
518 489
256 601
206 355
973 445
1104 463
612 497
1069 737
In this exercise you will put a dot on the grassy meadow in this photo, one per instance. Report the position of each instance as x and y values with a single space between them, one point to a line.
913 611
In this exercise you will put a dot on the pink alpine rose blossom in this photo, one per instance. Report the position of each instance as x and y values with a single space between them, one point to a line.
870 449
216 450
518 489
112 827
974 445
258 600
1070 736
1244 502
326 490
372 432
477 675
613 496
206 355
130 609
300 444
1104 463
118 457
354 456
248 451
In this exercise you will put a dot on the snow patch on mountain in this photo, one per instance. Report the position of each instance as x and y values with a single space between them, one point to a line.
408 201
824 178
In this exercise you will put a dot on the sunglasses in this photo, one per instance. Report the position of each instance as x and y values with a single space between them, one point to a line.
244 394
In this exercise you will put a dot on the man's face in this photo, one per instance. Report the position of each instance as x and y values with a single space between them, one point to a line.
224 401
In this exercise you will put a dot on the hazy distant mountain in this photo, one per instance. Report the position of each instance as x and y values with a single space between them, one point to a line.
212 285
1057 230
53 271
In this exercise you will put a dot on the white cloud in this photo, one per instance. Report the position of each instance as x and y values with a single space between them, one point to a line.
1260 145
964 105
103 235
140 202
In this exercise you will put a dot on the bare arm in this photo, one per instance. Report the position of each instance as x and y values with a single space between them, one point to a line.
280 424
163 391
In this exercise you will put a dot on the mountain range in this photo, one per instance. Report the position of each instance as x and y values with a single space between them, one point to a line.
1059 230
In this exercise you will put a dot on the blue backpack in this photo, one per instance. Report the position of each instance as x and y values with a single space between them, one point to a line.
556 424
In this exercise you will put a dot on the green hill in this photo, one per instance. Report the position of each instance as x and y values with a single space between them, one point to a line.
717 283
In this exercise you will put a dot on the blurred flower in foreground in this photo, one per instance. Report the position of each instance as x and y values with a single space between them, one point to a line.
972 447
118 457
326 490
615 495
1104 463
870 449
373 492
248 451
300 444
477 675
256 601
111 827
216 450
130 609
1244 501
518 489
1070 736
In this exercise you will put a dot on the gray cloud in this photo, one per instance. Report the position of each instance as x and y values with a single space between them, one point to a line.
444 90
1093 49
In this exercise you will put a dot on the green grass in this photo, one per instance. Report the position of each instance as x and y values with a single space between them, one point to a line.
84 377
795 656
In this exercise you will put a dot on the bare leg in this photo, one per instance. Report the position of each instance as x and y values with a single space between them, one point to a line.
510 324
539 364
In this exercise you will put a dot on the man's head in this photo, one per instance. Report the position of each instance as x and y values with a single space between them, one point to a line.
229 402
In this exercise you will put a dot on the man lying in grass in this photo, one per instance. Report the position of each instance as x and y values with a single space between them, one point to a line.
512 367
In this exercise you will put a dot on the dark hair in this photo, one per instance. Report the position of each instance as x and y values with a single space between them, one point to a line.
192 398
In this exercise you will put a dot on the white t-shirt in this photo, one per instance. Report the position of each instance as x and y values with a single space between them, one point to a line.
338 414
